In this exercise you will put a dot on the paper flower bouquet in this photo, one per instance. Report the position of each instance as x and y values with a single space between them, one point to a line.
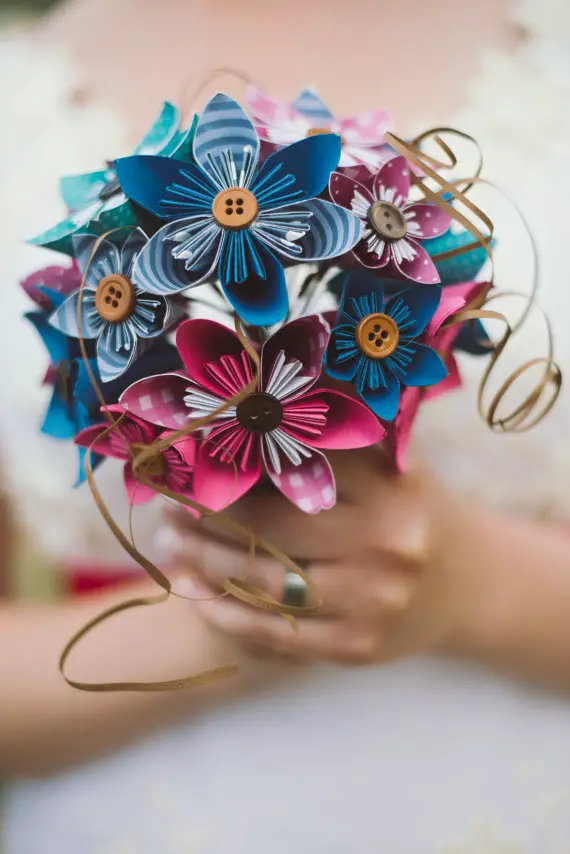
248 293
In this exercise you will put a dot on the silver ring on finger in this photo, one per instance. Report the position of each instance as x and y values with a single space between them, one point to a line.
295 588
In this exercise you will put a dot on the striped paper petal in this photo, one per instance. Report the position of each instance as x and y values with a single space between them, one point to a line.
310 104
157 271
333 231
96 260
226 144
134 243
65 318
112 363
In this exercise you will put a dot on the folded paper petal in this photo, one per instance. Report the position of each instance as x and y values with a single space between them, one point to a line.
304 339
332 232
267 109
340 363
262 299
425 367
420 268
310 485
430 221
168 188
460 268
161 132
137 492
113 363
158 399
59 420
224 130
41 284
77 191
134 243
420 305
218 484
96 257
65 318
384 400
392 182
297 172
344 190
201 342
310 104
349 423
106 442
368 127
362 294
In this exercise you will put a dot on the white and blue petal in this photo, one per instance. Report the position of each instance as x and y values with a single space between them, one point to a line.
412 309
297 172
111 360
260 297
151 316
133 244
161 132
177 257
65 318
97 257
168 188
329 232
226 145
310 104
424 367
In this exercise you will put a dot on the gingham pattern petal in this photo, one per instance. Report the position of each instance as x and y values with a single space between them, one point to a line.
310 485
159 399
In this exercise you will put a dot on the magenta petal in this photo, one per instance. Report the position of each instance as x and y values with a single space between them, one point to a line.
62 280
421 268
343 189
304 339
310 485
427 221
371 260
159 399
138 493
350 424
266 109
393 176
401 429
449 304
106 446
115 442
202 341
367 128
217 484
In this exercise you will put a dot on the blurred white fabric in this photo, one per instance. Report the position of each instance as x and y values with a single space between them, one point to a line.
421 757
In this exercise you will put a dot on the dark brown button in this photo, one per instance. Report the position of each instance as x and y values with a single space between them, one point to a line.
260 412
235 208
387 220
115 298
151 467
377 336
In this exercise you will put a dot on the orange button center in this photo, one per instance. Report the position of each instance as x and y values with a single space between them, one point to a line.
151 467
377 336
319 131
115 298
235 208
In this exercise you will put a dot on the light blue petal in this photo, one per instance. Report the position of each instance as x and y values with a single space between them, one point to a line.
309 103
130 249
168 188
57 238
426 367
157 271
113 363
78 191
297 172
55 342
181 144
65 318
162 131
96 258
383 401
333 231
59 422
225 135
261 299
413 309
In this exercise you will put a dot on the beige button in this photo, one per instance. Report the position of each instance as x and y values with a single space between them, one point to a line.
115 298
235 208
151 467
377 336
387 220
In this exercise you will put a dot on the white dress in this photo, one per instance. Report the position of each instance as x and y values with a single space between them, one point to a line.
419 757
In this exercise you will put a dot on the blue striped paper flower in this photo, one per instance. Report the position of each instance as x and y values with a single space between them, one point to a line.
95 201
118 341
226 213
374 346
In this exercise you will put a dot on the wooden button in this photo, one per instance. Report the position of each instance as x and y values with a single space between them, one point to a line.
115 298
260 412
319 131
151 467
377 336
387 220
235 208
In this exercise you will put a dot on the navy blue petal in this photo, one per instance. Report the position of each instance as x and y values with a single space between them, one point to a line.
384 400
473 338
362 295
425 367
168 188
261 298
297 172
342 355
413 309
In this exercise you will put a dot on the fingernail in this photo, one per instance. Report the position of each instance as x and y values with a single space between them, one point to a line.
168 542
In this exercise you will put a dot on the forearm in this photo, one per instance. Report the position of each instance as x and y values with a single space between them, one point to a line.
45 724
514 582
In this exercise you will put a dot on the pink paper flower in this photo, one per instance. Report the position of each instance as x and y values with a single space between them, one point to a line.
439 337
51 280
174 468
281 123
393 226
282 428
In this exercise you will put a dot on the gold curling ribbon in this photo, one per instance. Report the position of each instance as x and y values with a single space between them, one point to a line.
237 587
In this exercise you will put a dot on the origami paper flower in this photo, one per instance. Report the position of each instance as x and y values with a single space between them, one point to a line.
392 225
281 428
281 123
226 212
115 310
173 468
373 344
95 199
